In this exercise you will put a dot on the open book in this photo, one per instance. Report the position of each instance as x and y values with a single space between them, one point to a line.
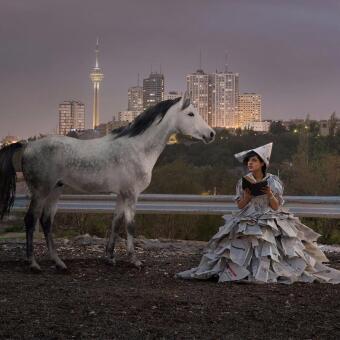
255 187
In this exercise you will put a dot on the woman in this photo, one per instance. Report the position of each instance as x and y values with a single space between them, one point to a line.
263 242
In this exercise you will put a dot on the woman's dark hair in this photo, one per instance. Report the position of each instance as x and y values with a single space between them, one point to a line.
252 154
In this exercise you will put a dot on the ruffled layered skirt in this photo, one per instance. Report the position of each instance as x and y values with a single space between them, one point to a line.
270 247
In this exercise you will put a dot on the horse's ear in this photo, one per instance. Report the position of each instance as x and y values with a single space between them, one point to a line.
185 100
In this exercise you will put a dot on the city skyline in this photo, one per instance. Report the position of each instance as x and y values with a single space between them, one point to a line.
287 52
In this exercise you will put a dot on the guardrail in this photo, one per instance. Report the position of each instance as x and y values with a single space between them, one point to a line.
301 206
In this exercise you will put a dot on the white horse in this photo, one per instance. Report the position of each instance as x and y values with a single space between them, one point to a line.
120 163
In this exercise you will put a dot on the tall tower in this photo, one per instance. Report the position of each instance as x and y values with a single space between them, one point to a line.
96 76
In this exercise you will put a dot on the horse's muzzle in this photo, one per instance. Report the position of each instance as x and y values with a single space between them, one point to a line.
209 138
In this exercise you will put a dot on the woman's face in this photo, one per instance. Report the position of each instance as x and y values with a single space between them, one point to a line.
254 164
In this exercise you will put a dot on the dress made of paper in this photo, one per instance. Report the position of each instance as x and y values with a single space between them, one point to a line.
259 244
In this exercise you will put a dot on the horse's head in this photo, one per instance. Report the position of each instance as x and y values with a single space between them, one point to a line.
190 122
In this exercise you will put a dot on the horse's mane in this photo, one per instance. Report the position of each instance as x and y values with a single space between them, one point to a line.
144 120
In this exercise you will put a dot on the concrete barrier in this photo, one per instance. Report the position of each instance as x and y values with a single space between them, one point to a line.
301 206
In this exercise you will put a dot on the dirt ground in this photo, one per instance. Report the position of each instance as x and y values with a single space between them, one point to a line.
94 300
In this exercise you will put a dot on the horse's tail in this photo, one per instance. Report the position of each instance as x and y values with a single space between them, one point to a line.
8 177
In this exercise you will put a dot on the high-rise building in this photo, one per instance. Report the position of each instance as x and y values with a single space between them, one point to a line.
153 90
71 116
172 95
249 108
198 89
257 126
96 76
135 98
125 116
224 99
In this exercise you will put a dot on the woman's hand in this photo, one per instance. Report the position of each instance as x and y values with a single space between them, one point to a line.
247 194
273 202
245 199
266 190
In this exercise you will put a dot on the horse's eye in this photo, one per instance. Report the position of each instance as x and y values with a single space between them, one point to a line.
191 114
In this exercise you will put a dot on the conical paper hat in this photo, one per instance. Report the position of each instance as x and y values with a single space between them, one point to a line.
263 151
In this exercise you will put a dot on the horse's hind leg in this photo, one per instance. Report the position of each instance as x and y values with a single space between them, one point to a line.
46 220
31 219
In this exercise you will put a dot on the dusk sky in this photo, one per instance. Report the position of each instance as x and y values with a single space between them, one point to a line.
287 51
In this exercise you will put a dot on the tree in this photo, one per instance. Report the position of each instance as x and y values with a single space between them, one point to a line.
332 124
314 128
277 127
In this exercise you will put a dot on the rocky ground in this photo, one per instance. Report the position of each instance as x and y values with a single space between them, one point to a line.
94 300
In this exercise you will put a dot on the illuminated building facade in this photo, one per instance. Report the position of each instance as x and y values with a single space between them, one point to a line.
71 116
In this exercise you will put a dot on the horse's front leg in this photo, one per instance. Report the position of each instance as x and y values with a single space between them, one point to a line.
117 221
125 215
131 229
129 200
110 255
130 212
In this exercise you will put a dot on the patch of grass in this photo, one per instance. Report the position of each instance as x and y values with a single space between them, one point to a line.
13 224
11 236
185 227
14 229
70 225
328 228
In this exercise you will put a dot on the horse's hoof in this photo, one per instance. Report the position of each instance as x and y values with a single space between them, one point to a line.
138 264
110 261
61 268
35 268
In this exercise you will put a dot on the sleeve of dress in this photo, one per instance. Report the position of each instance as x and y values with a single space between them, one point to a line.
239 190
277 188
